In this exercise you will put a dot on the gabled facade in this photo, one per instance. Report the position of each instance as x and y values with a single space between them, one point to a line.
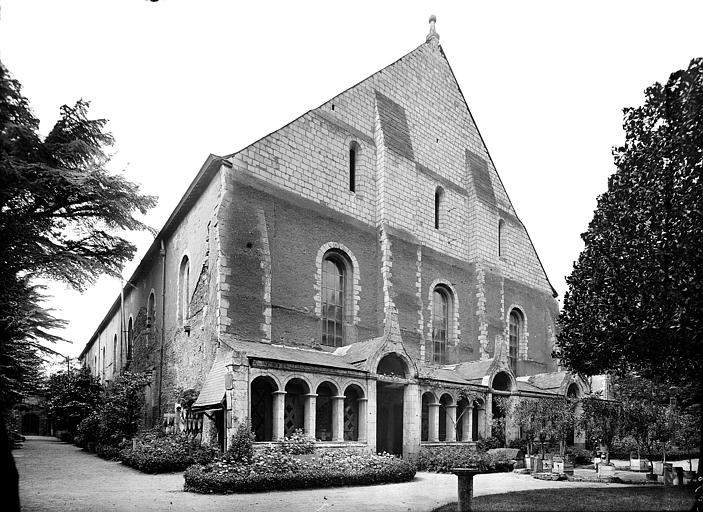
360 274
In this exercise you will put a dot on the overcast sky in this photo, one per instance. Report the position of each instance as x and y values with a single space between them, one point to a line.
546 82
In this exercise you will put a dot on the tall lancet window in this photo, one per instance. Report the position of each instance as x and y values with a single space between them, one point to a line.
438 198
353 162
336 279
441 305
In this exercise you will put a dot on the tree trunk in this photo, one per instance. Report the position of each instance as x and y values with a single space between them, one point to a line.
9 483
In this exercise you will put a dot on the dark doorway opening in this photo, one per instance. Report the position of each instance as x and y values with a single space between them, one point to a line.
389 418
30 424
220 425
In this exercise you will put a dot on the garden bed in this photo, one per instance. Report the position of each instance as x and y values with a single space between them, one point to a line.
273 470
156 452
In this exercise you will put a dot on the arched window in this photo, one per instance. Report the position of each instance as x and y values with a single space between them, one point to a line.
294 406
336 277
427 399
438 197
114 353
501 238
130 340
353 159
262 389
441 305
323 411
352 396
514 328
183 291
150 311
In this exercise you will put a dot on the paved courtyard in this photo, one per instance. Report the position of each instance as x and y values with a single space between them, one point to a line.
56 476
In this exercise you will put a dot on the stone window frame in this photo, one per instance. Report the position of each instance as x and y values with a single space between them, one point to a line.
361 165
502 239
454 330
523 335
439 207
352 292
183 297
130 339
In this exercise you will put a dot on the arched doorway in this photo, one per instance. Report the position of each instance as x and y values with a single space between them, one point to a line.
262 389
30 424
389 404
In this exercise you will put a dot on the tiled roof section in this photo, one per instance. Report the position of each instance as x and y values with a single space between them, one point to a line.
478 170
359 351
213 390
394 124
547 381
443 374
254 350
474 370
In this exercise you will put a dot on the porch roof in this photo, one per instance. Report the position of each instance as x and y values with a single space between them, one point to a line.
288 354
213 390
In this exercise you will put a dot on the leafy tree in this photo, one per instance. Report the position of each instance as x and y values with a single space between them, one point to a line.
601 420
635 299
544 419
688 432
59 206
124 399
643 404
72 396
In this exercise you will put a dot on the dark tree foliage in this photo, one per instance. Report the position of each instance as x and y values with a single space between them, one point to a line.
635 299
71 396
59 208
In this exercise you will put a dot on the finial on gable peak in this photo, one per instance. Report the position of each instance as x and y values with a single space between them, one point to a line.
433 35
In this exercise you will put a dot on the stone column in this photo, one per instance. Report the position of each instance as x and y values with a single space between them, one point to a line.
338 418
450 423
310 414
279 406
412 414
363 403
371 416
467 424
487 416
433 422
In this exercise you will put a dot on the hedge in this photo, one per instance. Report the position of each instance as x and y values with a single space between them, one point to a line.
157 452
273 470
441 459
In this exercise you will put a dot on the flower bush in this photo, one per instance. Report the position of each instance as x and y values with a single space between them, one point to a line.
272 469
157 452
297 444
441 459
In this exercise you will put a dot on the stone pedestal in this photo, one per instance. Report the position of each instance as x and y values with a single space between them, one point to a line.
465 487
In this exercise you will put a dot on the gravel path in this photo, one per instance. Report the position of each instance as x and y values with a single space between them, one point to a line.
56 476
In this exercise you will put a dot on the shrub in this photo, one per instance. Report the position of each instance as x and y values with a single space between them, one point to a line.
241 448
65 436
483 445
88 430
579 455
107 451
297 444
442 459
273 470
156 452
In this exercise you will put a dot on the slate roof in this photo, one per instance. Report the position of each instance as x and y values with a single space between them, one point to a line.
474 370
213 390
444 375
292 355
360 351
548 381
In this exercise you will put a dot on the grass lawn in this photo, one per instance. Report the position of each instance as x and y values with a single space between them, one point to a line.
585 499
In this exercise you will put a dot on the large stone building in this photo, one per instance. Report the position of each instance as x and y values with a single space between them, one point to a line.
359 273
